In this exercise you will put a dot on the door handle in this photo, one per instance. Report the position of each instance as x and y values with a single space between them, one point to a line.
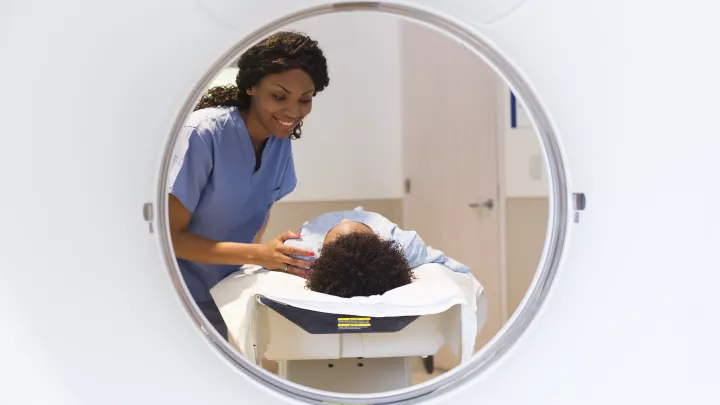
489 204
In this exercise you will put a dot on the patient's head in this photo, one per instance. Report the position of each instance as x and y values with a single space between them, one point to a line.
346 227
359 264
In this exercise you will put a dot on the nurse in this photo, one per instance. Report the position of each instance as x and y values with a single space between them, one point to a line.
234 161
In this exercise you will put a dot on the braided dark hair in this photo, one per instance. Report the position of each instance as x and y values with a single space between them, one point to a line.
277 53
359 264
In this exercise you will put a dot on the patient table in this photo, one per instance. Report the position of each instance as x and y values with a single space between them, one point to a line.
356 345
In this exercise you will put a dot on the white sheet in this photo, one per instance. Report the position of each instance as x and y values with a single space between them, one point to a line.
435 290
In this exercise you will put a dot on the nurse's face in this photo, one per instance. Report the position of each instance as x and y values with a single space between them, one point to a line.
345 227
280 101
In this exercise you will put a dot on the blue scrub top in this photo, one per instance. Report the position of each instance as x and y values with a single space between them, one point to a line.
213 175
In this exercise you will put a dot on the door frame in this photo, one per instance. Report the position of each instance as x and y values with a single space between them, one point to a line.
501 206
500 121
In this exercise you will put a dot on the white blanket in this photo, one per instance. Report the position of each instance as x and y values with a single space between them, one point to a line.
435 290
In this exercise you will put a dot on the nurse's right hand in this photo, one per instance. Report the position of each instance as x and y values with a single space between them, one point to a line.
274 256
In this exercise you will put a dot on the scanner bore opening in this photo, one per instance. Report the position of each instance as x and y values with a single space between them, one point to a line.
554 243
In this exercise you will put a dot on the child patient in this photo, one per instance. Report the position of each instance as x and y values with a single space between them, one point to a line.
360 253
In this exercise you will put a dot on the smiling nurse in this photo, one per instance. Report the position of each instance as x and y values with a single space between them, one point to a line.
234 161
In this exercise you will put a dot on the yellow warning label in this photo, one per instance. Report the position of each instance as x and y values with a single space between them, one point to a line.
353 323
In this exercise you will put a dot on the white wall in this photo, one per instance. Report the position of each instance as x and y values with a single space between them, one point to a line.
524 161
227 76
350 147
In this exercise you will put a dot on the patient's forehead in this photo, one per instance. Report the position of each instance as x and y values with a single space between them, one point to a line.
345 227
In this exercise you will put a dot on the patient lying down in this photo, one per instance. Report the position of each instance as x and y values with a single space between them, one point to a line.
359 264
361 253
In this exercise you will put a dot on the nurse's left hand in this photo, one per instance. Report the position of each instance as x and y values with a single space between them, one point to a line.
275 256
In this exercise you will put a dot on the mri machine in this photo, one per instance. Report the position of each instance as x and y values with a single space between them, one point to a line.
622 310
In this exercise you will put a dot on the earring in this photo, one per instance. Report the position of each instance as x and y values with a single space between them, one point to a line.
296 131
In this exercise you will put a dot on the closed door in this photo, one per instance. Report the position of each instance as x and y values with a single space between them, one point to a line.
450 160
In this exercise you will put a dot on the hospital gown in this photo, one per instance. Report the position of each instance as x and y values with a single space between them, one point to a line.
416 252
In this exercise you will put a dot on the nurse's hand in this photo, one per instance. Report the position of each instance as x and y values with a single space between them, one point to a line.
275 253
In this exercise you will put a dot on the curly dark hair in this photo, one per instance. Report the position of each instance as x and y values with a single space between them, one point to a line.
359 264
277 53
